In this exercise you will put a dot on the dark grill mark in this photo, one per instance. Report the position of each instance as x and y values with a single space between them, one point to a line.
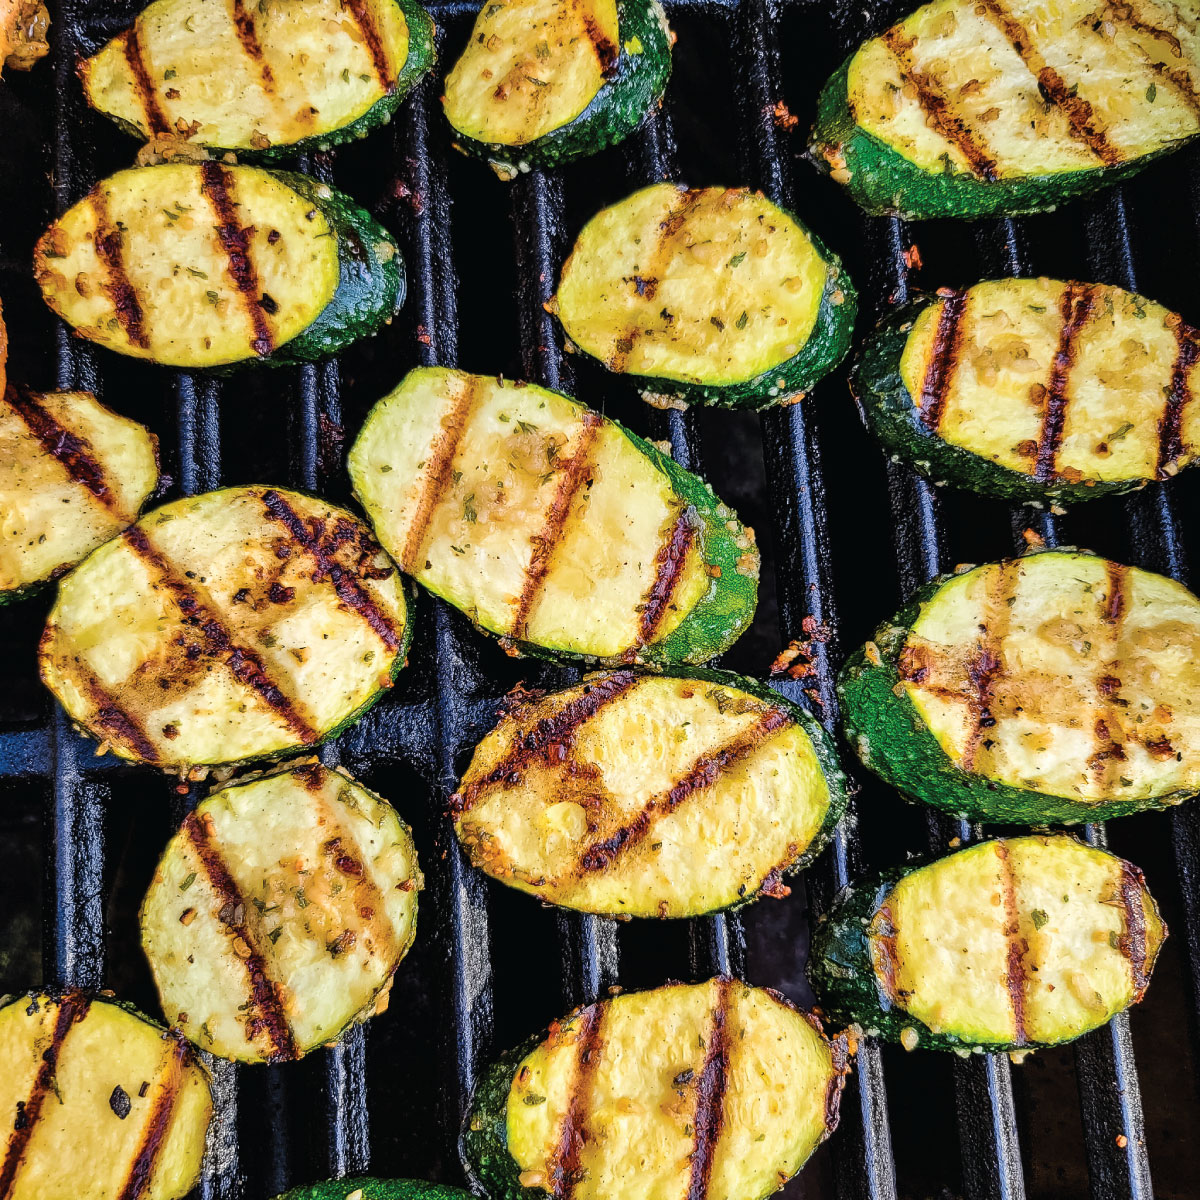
360 10
839 1056
985 667
72 1008
1170 442
1178 78
266 1014
155 1134
883 933
121 291
943 360
235 241
1108 685
668 571
607 53
567 1161
710 1095
1133 941
109 716
247 34
1075 308
1015 966
143 85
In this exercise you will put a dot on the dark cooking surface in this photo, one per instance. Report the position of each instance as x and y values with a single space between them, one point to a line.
78 838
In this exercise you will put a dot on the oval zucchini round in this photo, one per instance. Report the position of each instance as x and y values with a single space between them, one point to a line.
364 1188
1034 390
1058 687
707 296
262 79
240 624
976 109
714 1088
542 82
550 525
700 790
198 265
1006 945
279 913
107 1102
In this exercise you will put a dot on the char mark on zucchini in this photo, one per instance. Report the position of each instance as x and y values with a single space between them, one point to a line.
155 1133
985 668
1107 718
361 12
143 85
943 359
710 1095
113 719
1076 307
243 21
1017 946
884 930
1132 941
1179 396
608 53
672 556
110 251
589 1046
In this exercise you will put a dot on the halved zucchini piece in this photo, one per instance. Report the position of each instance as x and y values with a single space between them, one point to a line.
651 796
99 1101
688 1090
362 1188
974 108
707 295
202 265
24 29
245 623
1016 943
72 474
279 912
551 525
278 76
1035 390
542 82
1055 687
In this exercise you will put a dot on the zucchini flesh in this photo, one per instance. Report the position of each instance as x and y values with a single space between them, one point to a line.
363 1188
1006 106
711 295
1014 943
72 474
113 1104
688 1090
296 74
1054 687
1035 389
23 33
550 525
239 624
647 796
279 912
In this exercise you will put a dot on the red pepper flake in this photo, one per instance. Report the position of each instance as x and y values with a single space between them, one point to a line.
782 116
912 258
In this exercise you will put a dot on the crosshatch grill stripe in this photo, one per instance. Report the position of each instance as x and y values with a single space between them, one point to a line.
171 1080
710 1095
110 716
566 1163
143 85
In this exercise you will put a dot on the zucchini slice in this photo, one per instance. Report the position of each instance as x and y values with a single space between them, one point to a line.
542 82
279 912
107 1103
1058 687
688 1090
975 108
707 295
240 624
264 79
363 1188
1010 944
72 475
1035 390
550 525
24 30
199 265
651 796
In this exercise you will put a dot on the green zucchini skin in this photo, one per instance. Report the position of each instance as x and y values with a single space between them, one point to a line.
375 1189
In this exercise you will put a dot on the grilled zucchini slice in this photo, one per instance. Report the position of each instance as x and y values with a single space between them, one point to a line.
199 265
1035 390
279 912
542 82
707 295
1010 944
975 108
106 1102
1055 687
275 77
688 1090
72 474
651 796
363 1188
550 525
246 623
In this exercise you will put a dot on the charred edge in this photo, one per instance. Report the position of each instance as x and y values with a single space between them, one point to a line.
143 1166
245 664
1133 941
312 775
131 44
267 1014
1015 966
73 1008
943 360
365 19
607 53
1074 310
931 99
349 590
248 36
551 736
121 291
235 241
710 1095
566 1161
1170 442
705 771
546 542
839 1062
112 718
884 935
668 570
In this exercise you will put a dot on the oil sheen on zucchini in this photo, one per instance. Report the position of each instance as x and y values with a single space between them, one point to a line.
1055 687
362 1188
72 475
684 1092
1034 389
550 525
973 108
98 1101
288 75
707 295
201 265
542 82
279 912
1015 943
240 624
651 795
